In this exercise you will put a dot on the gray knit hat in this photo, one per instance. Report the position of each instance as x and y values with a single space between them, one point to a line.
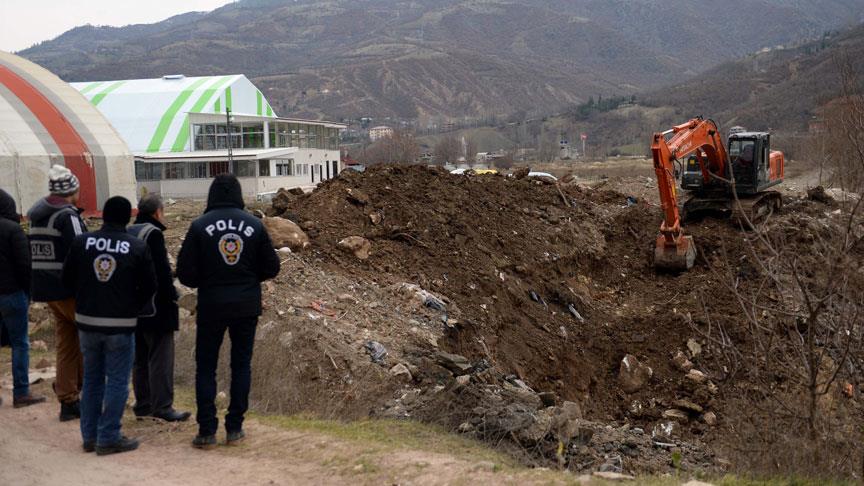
62 182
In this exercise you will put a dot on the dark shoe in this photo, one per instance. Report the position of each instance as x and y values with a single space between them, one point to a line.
173 416
70 411
27 400
234 438
204 442
125 445
89 446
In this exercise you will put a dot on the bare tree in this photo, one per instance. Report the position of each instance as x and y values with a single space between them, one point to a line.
470 151
548 146
802 307
447 149
399 148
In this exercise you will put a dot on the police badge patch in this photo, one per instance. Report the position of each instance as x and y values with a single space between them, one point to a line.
230 247
104 266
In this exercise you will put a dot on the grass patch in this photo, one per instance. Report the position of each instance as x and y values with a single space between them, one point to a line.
393 434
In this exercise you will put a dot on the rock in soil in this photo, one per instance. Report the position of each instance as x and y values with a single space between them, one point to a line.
285 233
633 375
357 245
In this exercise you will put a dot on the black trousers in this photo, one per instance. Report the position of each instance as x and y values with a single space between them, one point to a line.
208 340
153 372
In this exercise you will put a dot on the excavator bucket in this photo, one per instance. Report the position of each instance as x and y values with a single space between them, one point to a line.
677 257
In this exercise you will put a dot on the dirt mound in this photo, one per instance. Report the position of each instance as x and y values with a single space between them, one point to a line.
549 287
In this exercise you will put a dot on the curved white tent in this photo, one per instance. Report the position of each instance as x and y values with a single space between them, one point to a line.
44 121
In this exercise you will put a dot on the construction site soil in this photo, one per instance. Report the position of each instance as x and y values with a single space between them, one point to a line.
506 307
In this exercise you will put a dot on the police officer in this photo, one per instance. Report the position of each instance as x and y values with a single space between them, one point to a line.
111 274
153 373
54 222
14 298
227 253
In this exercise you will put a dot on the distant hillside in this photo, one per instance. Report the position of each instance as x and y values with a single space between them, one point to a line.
780 89
419 58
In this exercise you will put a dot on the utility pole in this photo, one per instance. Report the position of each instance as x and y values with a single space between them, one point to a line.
230 135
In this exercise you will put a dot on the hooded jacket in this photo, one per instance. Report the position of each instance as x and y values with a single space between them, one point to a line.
161 315
112 277
14 249
226 255
54 223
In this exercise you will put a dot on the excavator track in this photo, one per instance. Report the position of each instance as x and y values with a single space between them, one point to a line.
753 208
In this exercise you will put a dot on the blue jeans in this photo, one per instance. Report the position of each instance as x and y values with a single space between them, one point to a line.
107 365
13 309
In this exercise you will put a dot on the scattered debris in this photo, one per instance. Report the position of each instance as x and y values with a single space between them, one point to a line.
681 361
376 351
694 347
39 345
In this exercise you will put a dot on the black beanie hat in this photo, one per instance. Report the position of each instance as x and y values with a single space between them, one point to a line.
117 210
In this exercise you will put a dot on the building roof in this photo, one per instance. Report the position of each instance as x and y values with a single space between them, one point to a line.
43 121
217 155
151 114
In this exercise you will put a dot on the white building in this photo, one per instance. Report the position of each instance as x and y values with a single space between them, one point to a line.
178 129
377 133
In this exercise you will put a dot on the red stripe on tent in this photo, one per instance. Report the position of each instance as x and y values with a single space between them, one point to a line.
72 146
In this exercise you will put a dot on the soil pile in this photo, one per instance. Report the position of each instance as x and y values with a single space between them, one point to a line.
539 292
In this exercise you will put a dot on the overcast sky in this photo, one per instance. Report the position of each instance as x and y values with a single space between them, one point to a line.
26 22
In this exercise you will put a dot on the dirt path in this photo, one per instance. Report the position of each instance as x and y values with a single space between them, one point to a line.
37 449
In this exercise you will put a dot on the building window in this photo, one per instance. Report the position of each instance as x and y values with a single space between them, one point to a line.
198 170
205 137
217 168
285 167
153 172
139 170
253 135
175 170
149 171
244 168
264 168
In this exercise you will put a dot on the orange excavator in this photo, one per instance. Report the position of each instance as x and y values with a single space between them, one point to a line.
721 179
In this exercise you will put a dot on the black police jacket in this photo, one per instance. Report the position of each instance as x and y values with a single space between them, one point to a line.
226 255
14 249
111 275
53 225
161 314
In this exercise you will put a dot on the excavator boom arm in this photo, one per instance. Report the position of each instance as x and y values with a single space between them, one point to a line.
675 251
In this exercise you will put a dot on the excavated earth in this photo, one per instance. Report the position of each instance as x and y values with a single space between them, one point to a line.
506 307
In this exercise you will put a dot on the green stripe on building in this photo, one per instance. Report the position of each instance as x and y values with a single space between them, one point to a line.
259 102
102 94
168 117
90 87
228 97
269 110
217 107
183 135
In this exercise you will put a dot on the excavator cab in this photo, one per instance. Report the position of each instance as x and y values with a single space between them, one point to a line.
752 164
